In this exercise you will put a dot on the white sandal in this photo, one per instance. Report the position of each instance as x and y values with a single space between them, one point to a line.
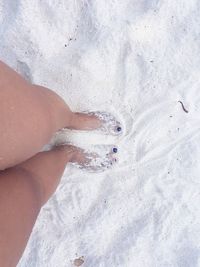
98 159
110 125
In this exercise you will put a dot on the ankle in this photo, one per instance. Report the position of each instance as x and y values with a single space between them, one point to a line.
84 122
68 152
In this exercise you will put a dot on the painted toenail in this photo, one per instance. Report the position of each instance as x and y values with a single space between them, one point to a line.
119 129
115 150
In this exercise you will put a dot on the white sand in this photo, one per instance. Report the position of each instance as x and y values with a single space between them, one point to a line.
136 59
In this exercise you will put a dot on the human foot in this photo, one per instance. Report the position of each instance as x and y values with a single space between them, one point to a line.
100 159
99 121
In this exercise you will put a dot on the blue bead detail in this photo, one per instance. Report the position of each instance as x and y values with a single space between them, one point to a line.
115 150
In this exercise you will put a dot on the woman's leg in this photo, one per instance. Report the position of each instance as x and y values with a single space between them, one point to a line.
23 191
29 116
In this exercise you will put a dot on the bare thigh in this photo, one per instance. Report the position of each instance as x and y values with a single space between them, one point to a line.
29 115
23 190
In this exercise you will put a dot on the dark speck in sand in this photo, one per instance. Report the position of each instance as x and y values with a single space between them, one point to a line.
70 39
65 45
183 107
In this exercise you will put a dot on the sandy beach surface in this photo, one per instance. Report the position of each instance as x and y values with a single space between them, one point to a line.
137 60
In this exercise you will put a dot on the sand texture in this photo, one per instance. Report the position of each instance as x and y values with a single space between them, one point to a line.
135 59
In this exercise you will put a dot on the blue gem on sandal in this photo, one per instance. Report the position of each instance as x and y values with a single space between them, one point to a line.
119 129
115 150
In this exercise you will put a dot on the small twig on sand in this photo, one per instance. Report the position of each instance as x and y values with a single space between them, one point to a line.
184 109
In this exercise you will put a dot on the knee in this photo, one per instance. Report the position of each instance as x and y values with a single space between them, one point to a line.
58 111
